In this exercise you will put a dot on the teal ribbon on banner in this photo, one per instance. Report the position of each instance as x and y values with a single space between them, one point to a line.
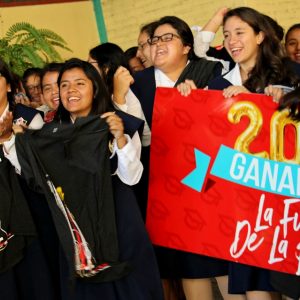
247 170
195 179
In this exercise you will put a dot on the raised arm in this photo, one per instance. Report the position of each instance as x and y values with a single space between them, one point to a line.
128 150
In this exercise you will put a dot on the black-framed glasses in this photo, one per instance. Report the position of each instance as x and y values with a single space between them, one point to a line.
32 88
167 37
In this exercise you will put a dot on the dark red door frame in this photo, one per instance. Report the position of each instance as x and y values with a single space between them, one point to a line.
9 3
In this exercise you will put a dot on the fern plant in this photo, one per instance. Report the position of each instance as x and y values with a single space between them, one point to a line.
25 46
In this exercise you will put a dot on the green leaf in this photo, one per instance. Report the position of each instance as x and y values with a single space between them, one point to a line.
26 46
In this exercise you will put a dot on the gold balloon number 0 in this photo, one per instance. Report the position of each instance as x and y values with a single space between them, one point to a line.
278 122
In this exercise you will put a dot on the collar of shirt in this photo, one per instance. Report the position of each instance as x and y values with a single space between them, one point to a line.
234 76
161 79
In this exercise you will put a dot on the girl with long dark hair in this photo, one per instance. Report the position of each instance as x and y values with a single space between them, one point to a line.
104 250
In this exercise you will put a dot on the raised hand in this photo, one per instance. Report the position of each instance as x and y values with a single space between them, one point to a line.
122 82
116 128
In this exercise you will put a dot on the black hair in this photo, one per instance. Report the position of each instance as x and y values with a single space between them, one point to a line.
30 72
10 79
51 67
278 29
293 27
183 30
18 82
101 101
109 58
131 53
149 28
291 101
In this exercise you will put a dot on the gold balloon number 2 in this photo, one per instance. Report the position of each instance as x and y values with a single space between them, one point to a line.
278 122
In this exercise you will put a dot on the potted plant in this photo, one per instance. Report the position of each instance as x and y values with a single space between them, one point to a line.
25 46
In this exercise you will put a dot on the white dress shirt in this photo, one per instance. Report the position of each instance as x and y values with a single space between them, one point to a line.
133 104
202 41
234 76
133 107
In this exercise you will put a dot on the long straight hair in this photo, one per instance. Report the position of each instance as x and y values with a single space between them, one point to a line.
101 101
109 58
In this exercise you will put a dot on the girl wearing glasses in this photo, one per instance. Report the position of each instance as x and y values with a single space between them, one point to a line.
32 85
174 62
143 52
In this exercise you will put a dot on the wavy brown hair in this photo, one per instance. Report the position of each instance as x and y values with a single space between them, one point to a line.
271 64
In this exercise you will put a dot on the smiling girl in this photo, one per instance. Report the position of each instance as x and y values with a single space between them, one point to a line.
103 246
292 43
260 66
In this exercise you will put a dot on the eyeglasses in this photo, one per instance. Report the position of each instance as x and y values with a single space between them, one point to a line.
141 46
167 37
32 88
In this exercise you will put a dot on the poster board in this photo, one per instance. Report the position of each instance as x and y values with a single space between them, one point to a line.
225 178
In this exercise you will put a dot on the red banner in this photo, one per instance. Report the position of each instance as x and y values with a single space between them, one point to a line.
225 178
